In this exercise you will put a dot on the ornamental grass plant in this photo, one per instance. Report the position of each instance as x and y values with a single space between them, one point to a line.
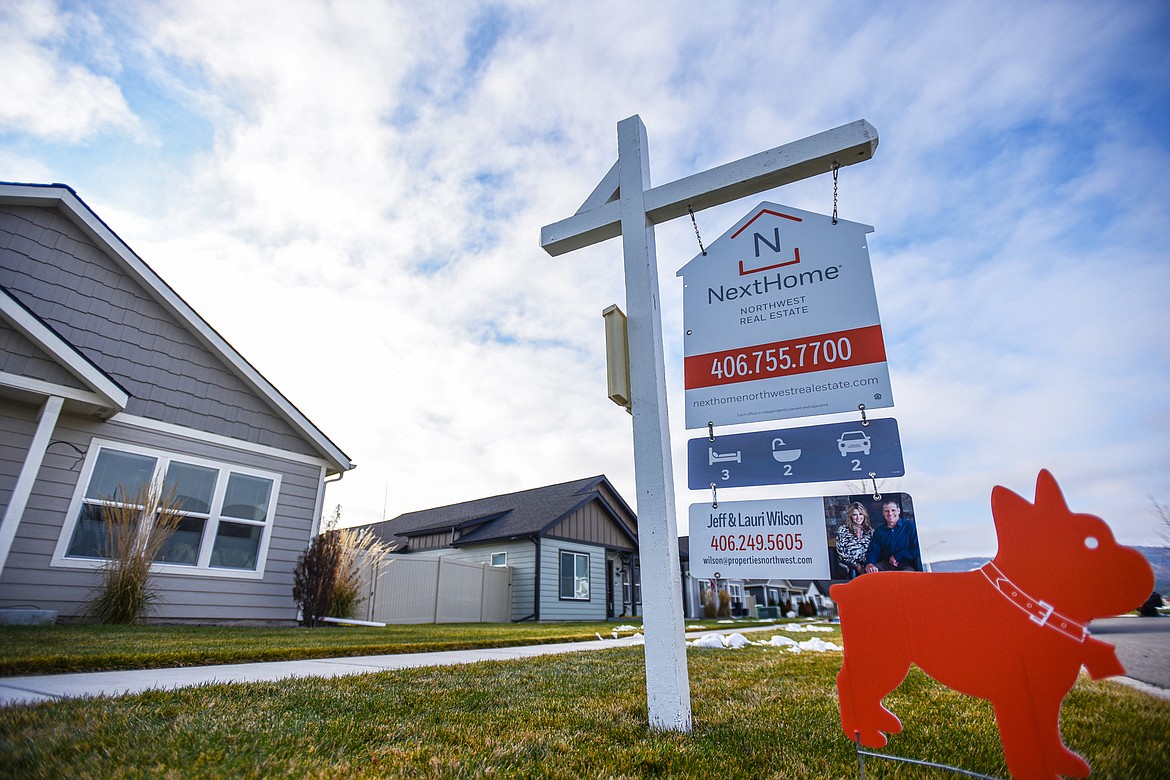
136 523
360 554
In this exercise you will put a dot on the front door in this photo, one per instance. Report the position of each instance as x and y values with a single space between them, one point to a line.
609 588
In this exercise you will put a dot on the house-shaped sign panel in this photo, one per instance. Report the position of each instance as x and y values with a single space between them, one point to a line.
780 320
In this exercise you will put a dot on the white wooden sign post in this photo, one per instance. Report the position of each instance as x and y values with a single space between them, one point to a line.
625 204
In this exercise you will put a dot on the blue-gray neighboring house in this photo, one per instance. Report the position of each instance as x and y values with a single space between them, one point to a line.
108 378
573 547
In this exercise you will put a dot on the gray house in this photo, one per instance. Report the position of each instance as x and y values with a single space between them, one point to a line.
108 378
572 547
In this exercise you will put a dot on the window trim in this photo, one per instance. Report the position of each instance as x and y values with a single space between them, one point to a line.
561 580
163 458
492 559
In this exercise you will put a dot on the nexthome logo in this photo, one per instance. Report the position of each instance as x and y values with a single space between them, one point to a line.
774 244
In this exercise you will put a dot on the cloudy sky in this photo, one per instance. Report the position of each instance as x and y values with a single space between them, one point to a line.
352 194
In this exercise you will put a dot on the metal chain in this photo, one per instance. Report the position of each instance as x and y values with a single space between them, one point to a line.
695 223
836 167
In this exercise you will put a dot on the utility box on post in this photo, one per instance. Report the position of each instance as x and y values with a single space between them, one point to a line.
617 357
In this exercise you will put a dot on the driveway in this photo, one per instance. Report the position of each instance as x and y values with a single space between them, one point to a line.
1143 647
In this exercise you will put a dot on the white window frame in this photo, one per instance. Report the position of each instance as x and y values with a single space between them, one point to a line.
588 576
504 562
163 458
735 590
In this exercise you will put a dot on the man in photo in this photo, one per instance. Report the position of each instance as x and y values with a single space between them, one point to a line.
894 546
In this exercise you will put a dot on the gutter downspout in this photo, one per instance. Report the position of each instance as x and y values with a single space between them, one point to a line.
536 590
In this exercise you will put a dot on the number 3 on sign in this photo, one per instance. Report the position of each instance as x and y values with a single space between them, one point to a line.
726 474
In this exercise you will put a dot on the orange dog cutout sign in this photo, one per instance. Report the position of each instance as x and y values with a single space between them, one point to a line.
1013 632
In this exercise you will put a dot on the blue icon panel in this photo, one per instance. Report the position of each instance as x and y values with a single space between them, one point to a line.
792 456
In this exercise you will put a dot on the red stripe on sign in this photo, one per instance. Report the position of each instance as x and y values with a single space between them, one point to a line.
856 347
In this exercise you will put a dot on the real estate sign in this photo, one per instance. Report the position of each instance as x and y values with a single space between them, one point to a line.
787 538
780 320
791 456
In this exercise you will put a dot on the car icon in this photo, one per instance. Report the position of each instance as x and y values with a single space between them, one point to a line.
853 441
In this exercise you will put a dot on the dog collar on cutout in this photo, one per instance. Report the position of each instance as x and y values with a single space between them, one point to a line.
1039 612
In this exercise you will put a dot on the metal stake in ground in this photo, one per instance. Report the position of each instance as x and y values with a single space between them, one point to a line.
625 204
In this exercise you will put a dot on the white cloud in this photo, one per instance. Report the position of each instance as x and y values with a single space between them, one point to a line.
362 220
48 93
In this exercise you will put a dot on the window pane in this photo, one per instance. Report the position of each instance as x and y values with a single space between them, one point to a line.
247 497
182 546
89 535
582 585
116 469
500 559
192 486
566 575
574 576
236 546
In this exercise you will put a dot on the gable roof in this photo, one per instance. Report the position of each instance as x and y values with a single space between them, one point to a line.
508 516
102 395
66 202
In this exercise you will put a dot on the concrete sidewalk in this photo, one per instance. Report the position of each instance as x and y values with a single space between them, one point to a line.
51 687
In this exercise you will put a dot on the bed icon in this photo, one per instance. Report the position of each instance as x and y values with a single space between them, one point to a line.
714 457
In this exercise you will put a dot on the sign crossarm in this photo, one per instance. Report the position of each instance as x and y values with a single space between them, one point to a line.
605 192
812 156
845 145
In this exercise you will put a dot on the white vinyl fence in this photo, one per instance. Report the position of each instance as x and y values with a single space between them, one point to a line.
406 589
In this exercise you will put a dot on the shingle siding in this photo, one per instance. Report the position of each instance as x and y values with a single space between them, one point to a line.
186 400
118 325
20 356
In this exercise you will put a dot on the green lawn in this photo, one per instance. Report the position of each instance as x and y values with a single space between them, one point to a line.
76 648
759 712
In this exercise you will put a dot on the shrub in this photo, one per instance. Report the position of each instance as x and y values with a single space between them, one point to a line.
724 604
127 591
315 576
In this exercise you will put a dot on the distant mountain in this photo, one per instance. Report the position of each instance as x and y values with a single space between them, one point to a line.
958 564
1159 558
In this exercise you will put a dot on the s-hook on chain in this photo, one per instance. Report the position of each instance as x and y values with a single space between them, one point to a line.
836 167
695 223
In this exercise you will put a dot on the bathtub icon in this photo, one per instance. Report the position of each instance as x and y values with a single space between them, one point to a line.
783 455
